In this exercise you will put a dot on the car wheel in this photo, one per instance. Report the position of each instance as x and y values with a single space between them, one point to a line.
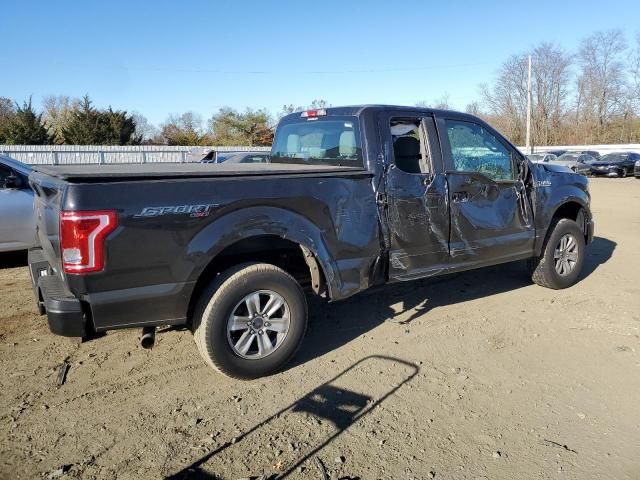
250 321
562 256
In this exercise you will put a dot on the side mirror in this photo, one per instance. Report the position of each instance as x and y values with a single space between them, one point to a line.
13 182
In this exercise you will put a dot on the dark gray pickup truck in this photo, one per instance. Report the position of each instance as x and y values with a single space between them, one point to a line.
352 197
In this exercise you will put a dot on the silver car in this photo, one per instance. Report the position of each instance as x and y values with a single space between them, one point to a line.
578 162
17 217
542 157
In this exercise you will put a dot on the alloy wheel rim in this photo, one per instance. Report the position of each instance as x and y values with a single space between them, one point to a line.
566 254
258 324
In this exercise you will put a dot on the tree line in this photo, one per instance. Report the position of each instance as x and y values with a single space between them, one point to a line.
71 121
589 96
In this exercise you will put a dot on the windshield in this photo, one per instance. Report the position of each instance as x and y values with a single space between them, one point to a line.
614 157
328 140
567 157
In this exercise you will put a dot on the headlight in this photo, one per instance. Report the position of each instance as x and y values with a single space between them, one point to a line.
637 163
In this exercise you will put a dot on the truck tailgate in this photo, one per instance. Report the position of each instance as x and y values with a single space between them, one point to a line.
48 195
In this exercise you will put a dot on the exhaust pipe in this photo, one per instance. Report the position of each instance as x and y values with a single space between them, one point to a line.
148 337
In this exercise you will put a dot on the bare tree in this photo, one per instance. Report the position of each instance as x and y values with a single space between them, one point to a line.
473 108
506 98
442 103
57 112
601 83
145 130
185 129
551 79
634 70
7 112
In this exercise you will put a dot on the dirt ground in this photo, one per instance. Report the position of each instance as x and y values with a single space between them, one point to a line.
478 375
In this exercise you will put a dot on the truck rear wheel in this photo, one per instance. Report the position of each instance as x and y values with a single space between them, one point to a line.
250 321
562 257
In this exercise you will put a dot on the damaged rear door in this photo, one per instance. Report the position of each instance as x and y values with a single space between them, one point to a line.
489 206
415 195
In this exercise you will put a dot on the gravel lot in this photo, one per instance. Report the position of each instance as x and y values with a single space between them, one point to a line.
478 375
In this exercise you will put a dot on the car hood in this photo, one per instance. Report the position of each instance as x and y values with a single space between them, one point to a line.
563 163
555 167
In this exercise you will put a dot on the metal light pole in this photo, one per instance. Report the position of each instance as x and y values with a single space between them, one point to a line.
528 146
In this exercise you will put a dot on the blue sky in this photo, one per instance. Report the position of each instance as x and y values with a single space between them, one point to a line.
166 57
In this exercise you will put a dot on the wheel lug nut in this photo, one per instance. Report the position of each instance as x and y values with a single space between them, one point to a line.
260 332
267 324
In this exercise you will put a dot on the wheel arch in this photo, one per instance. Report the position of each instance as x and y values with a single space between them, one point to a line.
268 235
573 209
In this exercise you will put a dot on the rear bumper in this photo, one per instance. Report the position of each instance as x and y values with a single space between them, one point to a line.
64 311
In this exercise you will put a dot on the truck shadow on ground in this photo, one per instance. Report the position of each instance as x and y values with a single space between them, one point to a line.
13 259
330 404
333 325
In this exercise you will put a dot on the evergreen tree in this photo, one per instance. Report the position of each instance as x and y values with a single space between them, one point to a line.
119 128
85 125
90 126
26 127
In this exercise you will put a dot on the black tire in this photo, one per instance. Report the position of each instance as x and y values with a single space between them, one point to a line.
543 268
217 304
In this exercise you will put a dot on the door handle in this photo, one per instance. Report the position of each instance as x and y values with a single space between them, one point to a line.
460 196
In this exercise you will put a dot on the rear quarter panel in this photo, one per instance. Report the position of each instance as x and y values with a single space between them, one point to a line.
334 216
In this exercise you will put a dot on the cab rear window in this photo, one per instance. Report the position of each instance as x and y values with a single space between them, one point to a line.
325 140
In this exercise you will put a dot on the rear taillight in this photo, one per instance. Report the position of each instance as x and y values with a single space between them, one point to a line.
82 237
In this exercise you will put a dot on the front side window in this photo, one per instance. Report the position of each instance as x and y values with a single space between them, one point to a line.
330 140
475 149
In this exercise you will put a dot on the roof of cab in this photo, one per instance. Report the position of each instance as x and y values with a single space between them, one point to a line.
356 110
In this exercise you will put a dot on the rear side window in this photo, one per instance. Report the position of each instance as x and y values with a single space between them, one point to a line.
475 149
330 140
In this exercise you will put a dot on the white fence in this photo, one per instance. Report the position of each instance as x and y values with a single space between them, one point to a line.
601 149
106 154
99 154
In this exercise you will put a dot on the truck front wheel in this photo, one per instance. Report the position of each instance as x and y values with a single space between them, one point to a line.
250 321
562 257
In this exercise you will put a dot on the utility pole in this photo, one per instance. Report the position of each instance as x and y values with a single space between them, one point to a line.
528 146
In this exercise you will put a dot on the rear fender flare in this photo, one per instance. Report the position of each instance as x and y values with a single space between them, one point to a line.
261 221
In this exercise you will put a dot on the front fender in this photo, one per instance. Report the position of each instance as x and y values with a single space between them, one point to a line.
553 191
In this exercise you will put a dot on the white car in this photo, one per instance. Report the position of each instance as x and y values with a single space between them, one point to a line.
17 217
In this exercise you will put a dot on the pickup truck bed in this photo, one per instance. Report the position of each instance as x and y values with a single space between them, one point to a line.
120 172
